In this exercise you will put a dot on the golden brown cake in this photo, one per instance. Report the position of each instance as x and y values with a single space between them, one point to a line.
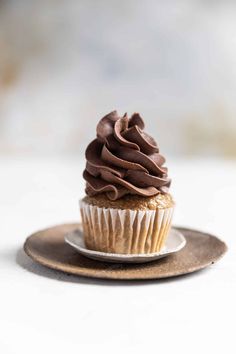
127 208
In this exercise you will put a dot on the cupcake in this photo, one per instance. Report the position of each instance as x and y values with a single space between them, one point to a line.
127 208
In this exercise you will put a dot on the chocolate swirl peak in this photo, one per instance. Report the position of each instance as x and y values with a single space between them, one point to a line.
123 159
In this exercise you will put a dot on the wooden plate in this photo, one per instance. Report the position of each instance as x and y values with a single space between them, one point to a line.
48 248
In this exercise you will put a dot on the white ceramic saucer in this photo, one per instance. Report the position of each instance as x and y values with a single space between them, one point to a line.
174 243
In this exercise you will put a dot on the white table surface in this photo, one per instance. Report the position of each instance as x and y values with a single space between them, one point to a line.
43 311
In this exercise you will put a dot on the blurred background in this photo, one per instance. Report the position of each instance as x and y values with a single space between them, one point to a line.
64 64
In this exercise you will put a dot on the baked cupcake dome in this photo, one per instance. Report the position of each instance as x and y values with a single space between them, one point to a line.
128 208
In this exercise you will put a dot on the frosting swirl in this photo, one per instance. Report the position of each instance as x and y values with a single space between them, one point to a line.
123 159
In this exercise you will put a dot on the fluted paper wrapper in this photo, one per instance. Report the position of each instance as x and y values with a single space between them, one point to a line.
125 231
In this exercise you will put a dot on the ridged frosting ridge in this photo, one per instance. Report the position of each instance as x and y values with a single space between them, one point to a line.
123 159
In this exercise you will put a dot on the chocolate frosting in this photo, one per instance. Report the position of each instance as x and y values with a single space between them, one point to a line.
124 160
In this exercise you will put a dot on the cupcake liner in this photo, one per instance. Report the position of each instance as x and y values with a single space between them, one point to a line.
125 231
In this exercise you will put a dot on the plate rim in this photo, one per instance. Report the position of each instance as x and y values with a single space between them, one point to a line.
83 271
120 256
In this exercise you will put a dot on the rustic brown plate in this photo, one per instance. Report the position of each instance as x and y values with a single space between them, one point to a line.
48 248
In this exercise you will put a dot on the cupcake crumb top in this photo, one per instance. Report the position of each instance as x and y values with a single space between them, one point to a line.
132 202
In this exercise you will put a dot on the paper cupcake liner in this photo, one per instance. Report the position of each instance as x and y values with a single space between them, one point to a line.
125 231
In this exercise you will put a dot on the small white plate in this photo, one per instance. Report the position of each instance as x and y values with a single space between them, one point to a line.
174 243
